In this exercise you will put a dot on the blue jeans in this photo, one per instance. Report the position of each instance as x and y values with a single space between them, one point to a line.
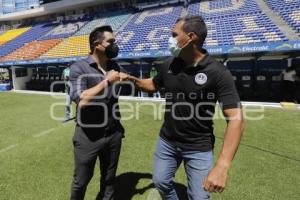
168 158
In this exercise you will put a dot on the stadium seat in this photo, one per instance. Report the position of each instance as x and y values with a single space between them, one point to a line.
30 35
114 21
239 23
12 34
288 10
148 30
31 50
70 47
64 30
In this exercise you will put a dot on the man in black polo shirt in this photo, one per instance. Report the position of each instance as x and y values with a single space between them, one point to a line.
193 83
98 131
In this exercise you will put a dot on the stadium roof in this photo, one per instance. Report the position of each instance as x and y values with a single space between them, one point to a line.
50 8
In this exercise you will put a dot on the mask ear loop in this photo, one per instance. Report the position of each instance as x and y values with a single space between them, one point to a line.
102 45
187 43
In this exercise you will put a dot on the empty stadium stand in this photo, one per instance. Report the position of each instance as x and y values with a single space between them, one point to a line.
78 45
70 47
149 30
288 10
32 34
223 8
12 34
238 23
230 23
114 21
31 50
63 30
281 5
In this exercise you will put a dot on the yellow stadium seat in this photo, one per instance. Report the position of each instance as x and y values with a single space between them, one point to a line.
12 34
70 47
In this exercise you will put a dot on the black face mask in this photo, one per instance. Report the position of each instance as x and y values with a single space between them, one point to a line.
112 50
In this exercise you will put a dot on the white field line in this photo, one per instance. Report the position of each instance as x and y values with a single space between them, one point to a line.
8 148
44 132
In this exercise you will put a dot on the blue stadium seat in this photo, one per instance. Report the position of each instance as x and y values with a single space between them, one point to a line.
149 30
33 34
288 10
241 22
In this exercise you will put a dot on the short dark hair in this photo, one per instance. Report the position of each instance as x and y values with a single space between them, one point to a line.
97 35
195 24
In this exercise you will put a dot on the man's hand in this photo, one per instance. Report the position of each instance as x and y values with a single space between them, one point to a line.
123 76
216 179
113 76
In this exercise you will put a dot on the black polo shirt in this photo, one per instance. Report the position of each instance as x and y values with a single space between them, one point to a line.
101 114
191 96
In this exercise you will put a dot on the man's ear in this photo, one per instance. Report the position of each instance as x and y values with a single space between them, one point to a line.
99 47
193 36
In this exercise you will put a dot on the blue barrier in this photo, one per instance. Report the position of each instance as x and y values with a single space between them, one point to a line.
5 87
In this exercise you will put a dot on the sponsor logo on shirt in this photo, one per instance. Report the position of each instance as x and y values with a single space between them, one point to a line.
200 78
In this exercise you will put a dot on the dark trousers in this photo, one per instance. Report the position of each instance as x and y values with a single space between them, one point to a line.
289 91
88 146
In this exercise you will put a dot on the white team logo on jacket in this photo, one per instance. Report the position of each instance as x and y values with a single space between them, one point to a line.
200 78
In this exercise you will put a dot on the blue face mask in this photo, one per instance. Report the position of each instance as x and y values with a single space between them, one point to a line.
173 47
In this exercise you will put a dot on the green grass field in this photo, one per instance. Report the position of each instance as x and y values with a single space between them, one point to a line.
36 155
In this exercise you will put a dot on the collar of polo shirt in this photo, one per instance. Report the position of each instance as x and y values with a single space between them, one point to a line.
94 64
179 65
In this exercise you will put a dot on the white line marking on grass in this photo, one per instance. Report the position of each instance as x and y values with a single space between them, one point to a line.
39 92
44 132
8 148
